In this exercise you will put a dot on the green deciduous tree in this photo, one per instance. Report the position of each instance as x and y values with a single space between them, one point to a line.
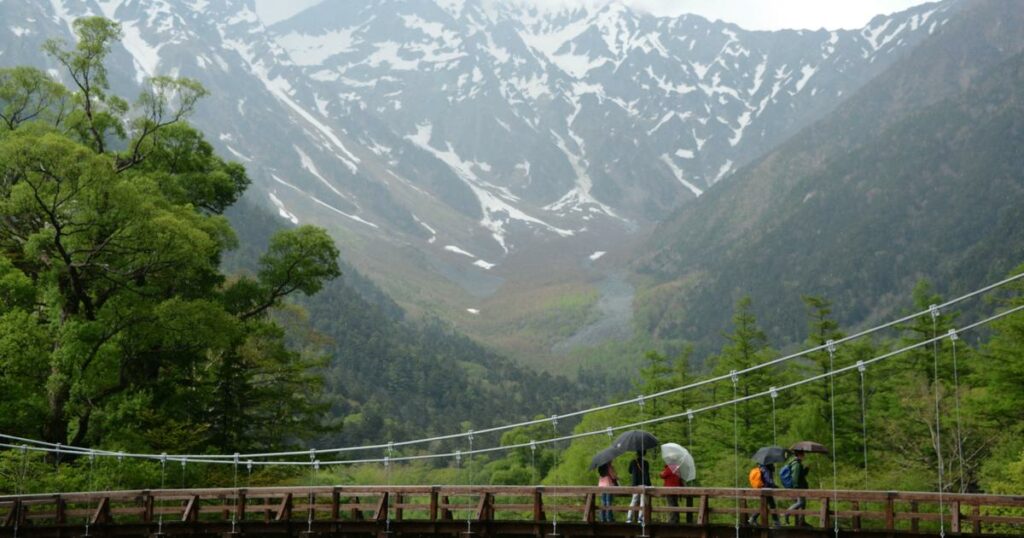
116 324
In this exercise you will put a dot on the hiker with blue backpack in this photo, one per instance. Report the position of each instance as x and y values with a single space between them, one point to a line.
794 476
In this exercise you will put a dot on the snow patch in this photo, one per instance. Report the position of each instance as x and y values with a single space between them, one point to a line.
282 210
484 265
457 250
678 172
305 49
496 210
597 255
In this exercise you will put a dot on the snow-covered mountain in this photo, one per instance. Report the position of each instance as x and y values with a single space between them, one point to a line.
448 137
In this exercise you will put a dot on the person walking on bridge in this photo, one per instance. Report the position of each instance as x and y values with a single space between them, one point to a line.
609 479
640 473
670 475
796 478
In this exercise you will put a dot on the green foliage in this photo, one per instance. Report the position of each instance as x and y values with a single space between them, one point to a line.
117 327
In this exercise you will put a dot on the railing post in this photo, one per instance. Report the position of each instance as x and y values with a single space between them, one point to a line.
914 521
433 504
399 499
856 518
890 511
645 500
976 518
102 513
58 511
240 505
954 507
588 508
335 504
381 514
357 515
12 516
147 506
284 511
446 514
689 504
482 508
702 511
538 505
825 514
191 514
763 509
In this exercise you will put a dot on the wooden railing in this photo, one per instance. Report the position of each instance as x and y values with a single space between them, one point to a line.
328 509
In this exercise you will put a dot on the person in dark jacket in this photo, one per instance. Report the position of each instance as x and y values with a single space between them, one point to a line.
768 477
640 473
800 472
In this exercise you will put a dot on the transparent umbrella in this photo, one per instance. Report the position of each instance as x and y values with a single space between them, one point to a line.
678 457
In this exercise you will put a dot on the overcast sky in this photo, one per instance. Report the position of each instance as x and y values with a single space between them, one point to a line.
749 14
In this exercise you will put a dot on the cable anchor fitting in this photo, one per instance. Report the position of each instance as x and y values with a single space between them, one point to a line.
248 465
316 465
608 430
735 376
934 311
774 392
953 336
640 400
830 345
689 415
312 454
533 445
554 422
861 367
458 457
237 457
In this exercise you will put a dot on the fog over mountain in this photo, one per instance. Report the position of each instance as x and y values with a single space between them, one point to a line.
461 149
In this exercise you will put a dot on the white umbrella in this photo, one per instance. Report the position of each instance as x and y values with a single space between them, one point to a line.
680 458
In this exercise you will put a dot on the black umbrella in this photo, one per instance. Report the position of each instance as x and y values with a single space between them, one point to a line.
605 456
636 441
769 454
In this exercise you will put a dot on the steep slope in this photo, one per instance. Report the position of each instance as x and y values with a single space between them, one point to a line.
468 155
390 377
918 175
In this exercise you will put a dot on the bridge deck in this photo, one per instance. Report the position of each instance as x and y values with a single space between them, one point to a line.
502 511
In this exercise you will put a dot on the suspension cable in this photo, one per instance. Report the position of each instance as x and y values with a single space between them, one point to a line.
207 458
938 417
862 368
959 431
634 425
831 346
736 443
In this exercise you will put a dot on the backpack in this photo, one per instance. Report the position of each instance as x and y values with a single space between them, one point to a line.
756 480
787 475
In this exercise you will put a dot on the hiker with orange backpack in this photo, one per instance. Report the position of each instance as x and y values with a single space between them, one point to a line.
763 476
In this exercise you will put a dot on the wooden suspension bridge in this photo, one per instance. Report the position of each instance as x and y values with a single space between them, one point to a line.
467 511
